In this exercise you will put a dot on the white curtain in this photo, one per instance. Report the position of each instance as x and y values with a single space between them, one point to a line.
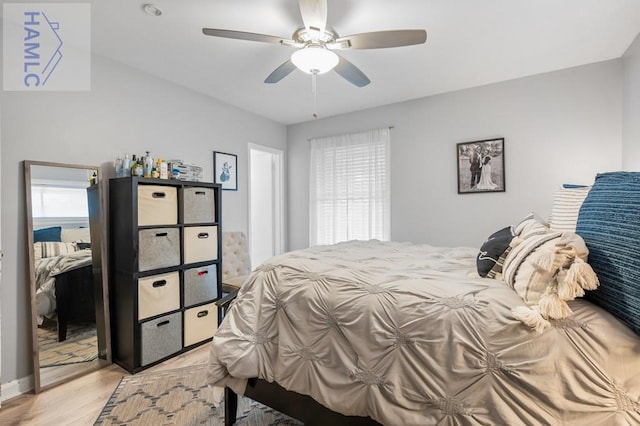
350 188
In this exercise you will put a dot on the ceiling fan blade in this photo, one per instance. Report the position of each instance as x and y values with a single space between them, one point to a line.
241 35
314 15
281 72
351 73
380 39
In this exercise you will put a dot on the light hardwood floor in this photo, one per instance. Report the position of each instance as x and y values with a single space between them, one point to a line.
80 401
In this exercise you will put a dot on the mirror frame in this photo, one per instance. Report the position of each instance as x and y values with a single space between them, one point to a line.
102 231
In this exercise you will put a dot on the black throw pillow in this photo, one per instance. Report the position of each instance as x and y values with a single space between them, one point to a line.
491 250
82 246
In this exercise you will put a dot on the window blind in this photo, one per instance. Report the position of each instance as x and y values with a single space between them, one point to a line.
350 187
51 201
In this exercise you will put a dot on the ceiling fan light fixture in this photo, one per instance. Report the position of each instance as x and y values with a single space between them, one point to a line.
314 59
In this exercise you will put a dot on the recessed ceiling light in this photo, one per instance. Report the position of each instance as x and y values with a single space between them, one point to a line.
151 10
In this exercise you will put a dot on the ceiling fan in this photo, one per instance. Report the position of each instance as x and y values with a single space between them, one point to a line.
316 43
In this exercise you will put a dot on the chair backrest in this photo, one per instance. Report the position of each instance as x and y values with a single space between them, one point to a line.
235 255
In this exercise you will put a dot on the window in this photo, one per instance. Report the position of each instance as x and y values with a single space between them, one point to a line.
58 201
350 188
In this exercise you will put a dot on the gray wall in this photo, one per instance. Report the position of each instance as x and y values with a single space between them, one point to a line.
563 126
126 111
631 107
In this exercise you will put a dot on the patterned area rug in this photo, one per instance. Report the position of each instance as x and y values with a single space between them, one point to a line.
81 345
179 397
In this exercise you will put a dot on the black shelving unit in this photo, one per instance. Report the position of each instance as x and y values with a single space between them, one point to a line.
165 268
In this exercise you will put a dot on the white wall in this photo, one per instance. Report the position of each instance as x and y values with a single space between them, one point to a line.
631 107
126 111
563 126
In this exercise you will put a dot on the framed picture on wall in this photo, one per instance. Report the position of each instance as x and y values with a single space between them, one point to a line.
225 170
480 166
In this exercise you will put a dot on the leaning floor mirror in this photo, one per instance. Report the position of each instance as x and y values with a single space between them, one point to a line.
66 250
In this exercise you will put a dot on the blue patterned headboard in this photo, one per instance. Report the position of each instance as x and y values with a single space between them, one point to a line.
609 223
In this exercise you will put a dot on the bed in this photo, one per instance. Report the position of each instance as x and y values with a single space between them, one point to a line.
400 333
64 283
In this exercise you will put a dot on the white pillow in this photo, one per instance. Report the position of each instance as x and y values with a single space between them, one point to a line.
566 205
75 235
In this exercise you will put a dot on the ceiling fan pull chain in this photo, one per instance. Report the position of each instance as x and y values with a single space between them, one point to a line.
315 94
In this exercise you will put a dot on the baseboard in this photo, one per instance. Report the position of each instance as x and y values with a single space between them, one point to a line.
16 388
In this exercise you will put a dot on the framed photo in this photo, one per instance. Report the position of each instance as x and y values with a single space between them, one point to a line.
480 166
225 170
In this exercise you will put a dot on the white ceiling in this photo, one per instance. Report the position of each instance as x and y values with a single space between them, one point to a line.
470 43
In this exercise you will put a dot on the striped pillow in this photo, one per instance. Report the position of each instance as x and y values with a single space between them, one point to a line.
566 205
519 271
532 224
609 223
44 249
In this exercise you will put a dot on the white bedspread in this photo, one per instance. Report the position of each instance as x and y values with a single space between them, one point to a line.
46 270
410 335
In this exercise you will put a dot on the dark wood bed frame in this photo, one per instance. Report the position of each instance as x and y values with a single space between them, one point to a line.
300 407
74 298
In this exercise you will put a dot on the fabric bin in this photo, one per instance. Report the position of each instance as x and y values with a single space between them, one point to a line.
158 248
200 243
198 205
157 205
158 294
160 338
200 323
200 285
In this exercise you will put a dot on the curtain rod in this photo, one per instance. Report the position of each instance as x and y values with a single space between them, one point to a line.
315 137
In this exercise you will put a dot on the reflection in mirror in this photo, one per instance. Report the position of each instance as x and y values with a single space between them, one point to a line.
65 250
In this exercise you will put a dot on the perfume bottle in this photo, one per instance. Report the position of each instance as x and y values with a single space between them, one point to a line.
136 168
117 165
148 165
126 166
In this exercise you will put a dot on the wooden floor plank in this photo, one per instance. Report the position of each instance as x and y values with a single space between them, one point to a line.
80 401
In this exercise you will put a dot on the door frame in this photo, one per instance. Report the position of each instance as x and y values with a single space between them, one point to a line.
1 256
279 219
